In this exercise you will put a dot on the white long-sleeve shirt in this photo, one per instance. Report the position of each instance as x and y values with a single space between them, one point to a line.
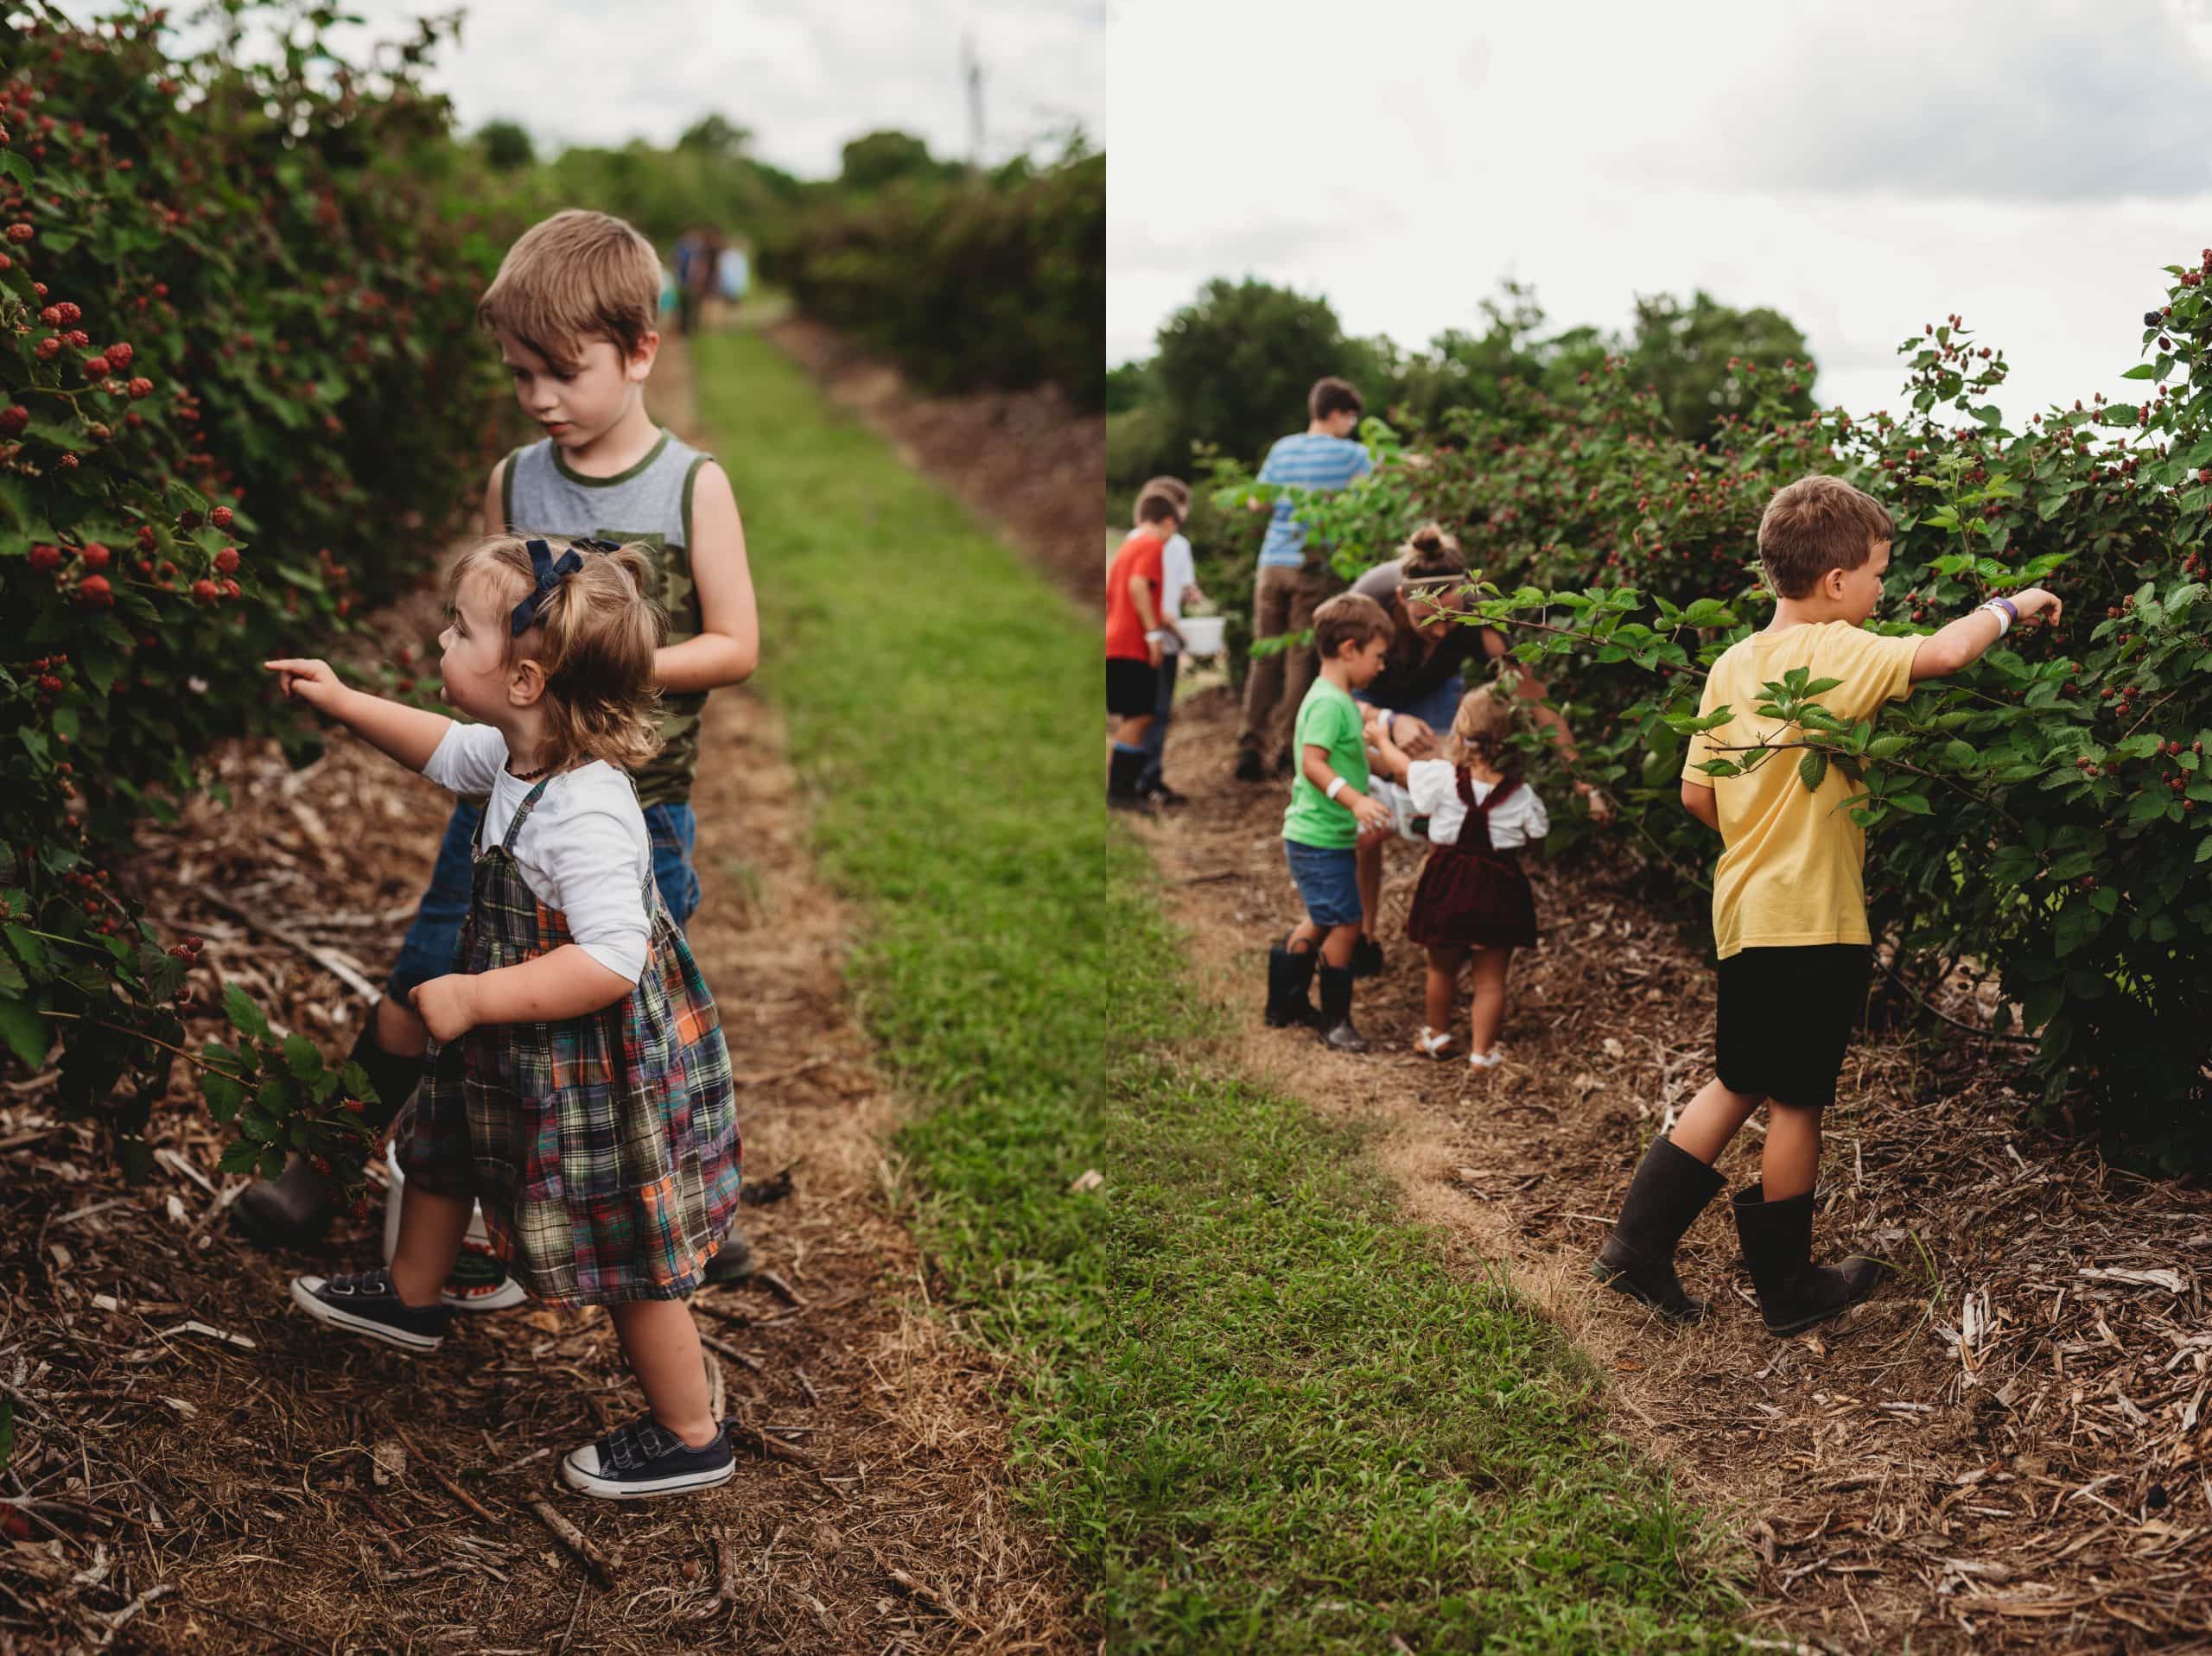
584 850
1435 793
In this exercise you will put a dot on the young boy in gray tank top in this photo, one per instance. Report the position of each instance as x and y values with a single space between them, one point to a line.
573 308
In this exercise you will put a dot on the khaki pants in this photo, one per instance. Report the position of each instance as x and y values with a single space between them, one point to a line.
1283 600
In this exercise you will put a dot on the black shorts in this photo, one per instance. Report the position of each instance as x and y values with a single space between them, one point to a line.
1131 687
1786 1016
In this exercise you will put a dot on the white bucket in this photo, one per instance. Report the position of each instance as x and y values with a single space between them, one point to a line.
479 1282
1202 634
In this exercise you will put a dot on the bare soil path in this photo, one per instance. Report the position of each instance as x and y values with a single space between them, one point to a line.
205 1472
2010 1447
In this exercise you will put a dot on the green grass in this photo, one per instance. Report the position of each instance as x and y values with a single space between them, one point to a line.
1258 1409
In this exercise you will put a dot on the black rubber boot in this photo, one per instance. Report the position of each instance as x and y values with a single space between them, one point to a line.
293 1209
732 1261
1670 1189
1290 987
1122 782
1250 767
1794 1292
1336 1024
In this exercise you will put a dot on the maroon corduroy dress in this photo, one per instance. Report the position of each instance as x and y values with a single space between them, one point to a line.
1470 894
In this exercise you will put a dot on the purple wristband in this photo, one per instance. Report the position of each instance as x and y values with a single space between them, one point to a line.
2011 609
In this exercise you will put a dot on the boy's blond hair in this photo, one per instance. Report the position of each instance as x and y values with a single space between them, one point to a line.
1173 487
1816 524
594 637
573 278
1350 618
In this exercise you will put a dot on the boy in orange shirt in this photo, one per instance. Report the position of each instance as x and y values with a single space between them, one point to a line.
1788 907
1134 627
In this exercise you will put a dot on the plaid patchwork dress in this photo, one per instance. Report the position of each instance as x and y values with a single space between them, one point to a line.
603 1149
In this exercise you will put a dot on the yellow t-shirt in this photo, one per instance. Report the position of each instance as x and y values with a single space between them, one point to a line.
1792 869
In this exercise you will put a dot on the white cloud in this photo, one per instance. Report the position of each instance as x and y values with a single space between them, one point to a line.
805 75
1772 155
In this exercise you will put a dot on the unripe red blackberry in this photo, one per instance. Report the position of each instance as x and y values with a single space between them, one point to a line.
70 313
14 418
140 387
226 561
205 590
76 339
95 591
95 555
119 356
220 517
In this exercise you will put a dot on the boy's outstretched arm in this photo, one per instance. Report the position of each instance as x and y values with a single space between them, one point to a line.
495 504
408 735
1698 801
1965 640
728 646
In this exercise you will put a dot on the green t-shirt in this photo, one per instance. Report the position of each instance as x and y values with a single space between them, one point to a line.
1330 719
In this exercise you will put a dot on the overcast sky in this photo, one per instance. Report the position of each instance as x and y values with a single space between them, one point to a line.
1862 168
805 75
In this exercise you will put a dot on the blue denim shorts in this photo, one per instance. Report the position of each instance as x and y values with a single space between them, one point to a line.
1437 709
435 936
1328 882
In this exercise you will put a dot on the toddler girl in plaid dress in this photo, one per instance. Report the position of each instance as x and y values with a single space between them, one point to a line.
1473 898
577 1085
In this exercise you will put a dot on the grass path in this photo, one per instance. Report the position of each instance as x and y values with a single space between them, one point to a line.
1257 1409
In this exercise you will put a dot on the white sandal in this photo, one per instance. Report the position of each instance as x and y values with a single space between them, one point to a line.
1430 1045
1489 1060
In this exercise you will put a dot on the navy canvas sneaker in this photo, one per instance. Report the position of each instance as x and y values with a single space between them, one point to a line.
644 1459
364 1303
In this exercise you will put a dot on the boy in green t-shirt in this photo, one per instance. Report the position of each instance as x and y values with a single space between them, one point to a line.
1788 907
1328 815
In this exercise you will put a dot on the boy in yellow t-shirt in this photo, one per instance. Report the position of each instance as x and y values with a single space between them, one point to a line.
1788 907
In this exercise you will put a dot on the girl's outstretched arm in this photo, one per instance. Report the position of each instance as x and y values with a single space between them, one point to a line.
408 735
564 983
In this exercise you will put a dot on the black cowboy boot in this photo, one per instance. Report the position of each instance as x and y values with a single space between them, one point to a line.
1335 1023
1670 1189
1290 987
1794 1292
293 1209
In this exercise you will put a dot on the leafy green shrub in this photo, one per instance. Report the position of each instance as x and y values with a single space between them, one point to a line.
967 285
243 397
2046 818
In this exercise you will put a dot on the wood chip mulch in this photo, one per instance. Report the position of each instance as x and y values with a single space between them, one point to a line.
2008 1448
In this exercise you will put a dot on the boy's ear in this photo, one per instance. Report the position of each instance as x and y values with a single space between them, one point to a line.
641 360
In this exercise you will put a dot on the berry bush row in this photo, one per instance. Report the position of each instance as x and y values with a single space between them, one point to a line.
969 283
2045 820
239 399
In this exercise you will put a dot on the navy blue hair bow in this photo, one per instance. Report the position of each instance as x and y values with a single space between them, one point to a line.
550 574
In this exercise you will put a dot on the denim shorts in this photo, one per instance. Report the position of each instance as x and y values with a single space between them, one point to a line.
434 936
1437 709
1328 882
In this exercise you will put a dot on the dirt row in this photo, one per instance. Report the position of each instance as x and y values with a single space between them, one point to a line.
199 1469
2009 1447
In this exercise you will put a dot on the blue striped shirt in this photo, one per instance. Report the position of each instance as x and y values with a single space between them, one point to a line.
1306 459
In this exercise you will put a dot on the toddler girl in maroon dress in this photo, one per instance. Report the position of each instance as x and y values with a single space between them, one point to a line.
1473 898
